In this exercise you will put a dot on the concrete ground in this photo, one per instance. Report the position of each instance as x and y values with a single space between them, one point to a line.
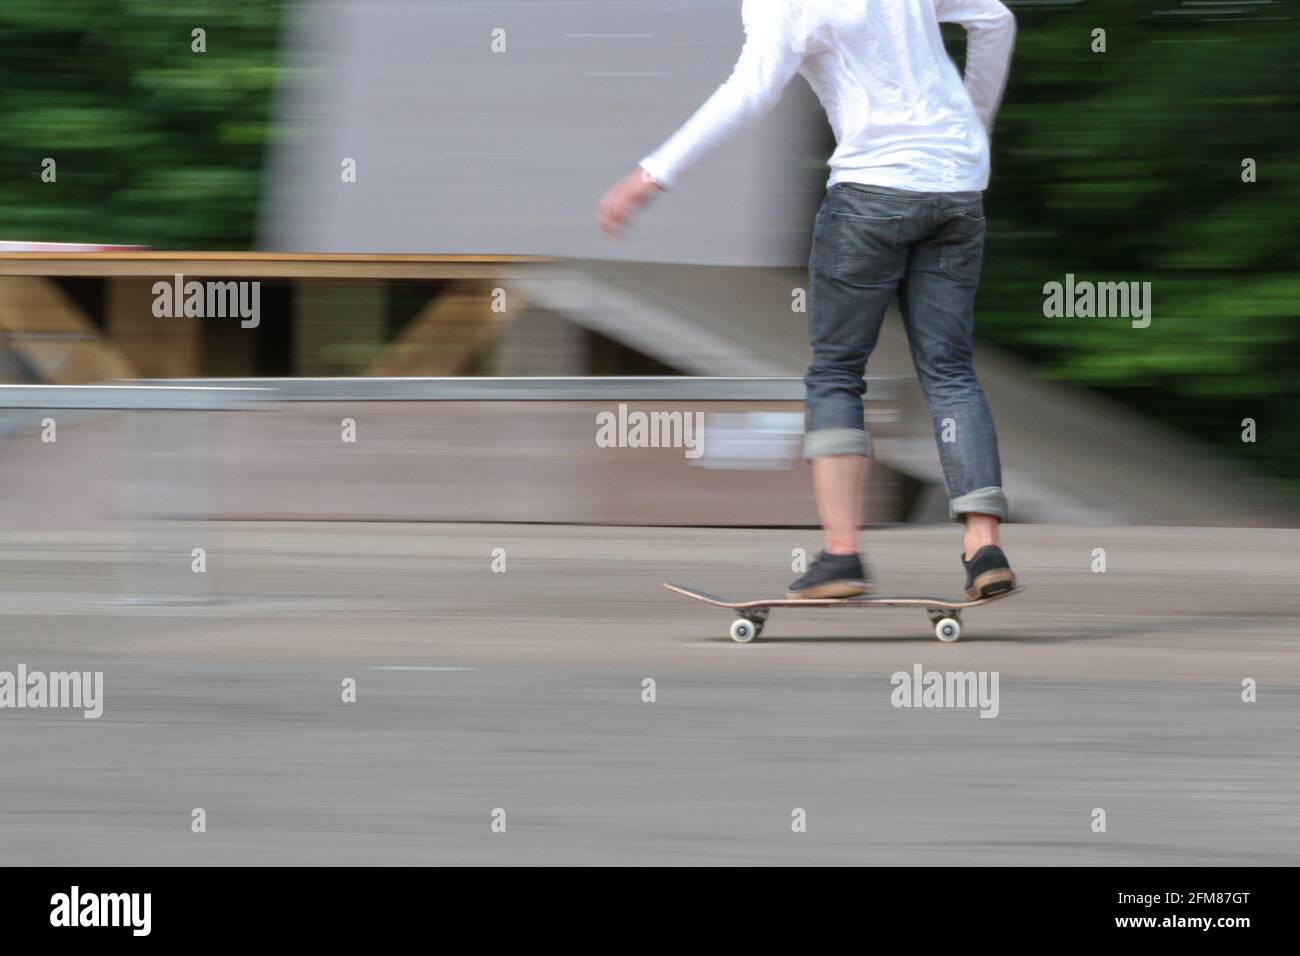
522 690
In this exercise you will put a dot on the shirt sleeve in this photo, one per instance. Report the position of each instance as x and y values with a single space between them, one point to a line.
990 37
771 56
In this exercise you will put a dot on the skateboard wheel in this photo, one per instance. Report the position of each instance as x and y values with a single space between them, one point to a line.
947 629
743 631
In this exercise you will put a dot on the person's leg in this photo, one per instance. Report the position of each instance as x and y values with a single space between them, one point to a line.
853 272
981 530
837 485
937 299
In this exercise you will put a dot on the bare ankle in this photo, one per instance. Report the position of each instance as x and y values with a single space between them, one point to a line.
981 531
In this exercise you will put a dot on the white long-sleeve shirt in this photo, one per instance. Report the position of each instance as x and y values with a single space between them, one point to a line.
902 115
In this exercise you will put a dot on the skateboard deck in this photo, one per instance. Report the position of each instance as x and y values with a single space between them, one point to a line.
945 615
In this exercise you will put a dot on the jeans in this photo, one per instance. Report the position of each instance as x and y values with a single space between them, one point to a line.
870 243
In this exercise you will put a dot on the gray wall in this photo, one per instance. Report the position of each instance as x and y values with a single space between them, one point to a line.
460 149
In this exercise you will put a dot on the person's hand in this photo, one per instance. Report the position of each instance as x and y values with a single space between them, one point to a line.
624 198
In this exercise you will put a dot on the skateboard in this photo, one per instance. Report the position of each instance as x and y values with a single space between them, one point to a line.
752 615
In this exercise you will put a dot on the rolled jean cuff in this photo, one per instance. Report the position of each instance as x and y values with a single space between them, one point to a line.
835 441
985 501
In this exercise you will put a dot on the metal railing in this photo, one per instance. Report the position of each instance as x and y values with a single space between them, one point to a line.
665 388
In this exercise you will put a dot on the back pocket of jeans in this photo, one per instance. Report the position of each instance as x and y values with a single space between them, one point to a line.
863 249
961 251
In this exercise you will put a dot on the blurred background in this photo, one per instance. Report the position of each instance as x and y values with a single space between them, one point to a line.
411 186
492 128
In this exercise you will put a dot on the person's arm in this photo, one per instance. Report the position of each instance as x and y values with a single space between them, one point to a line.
990 37
767 63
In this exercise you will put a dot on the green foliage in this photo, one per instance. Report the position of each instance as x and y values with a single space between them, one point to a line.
1127 166
155 144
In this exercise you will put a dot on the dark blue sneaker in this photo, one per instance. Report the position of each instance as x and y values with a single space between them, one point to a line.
988 573
832 576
